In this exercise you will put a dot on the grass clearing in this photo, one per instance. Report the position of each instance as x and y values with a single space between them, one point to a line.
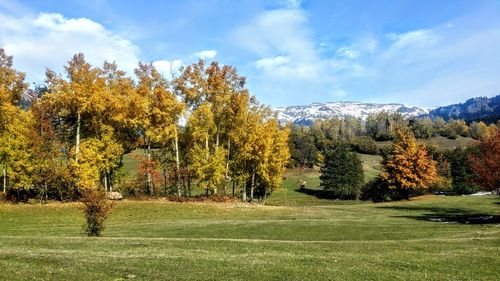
144 240
440 142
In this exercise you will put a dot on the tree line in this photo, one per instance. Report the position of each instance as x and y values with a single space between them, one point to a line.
200 127
307 143
408 168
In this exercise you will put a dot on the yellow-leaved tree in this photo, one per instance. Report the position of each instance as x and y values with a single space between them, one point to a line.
160 115
407 166
14 127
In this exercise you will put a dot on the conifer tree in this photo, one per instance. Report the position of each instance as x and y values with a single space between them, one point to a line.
342 173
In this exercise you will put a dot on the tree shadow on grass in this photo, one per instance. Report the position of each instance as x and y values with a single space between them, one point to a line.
318 193
447 215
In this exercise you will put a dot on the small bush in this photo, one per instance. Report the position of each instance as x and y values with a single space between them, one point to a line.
462 174
365 145
465 188
441 184
376 190
96 208
132 187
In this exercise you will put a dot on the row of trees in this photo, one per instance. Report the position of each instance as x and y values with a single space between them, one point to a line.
308 142
200 128
408 168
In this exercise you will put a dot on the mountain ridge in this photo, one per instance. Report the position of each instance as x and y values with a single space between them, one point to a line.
306 114
474 109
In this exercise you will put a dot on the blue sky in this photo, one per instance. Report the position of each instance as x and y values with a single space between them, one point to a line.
292 52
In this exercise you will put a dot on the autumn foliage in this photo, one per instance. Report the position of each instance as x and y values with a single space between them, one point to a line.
202 127
407 166
96 208
486 163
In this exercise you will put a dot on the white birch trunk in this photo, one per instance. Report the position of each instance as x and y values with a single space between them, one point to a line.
177 163
253 186
77 144
4 172
244 190
148 172
106 181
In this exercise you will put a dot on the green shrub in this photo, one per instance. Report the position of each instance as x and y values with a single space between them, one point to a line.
132 186
461 173
376 190
365 145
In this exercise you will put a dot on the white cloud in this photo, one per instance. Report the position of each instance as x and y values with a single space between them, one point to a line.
415 38
273 62
290 61
50 40
168 67
277 32
348 53
207 54
408 46
439 66
283 43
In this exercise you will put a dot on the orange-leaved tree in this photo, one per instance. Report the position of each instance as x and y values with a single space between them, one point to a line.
486 164
407 166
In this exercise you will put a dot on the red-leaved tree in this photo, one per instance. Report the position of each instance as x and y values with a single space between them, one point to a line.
486 163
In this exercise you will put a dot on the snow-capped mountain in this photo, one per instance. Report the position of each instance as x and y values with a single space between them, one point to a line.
308 113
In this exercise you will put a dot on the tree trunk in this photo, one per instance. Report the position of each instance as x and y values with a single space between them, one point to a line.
77 144
265 196
208 156
110 180
227 165
45 191
406 193
206 147
217 138
252 187
177 163
4 173
148 172
106 181
244 190
234 183
165 178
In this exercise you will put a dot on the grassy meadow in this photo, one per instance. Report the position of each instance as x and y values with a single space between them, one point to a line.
438 141
432 238
295 236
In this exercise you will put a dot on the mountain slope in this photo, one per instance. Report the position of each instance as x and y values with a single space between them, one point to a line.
306 114
475 109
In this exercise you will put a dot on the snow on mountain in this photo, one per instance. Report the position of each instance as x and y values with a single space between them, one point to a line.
308 113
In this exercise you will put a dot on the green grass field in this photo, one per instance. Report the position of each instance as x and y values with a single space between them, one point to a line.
432 239
438 141
295 236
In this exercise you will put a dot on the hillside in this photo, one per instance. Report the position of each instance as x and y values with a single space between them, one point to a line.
475 109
